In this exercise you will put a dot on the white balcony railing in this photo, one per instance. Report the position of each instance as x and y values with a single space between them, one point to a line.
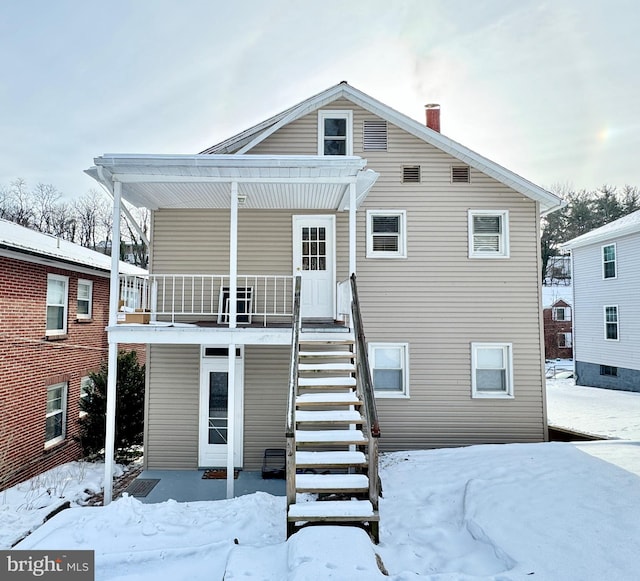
195 297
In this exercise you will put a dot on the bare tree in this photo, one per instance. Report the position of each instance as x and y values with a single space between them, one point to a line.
91 212
139 250
44 200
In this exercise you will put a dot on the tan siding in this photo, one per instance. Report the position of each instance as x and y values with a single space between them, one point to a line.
266 375
172 418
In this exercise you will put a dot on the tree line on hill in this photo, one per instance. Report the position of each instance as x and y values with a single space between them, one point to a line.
86 221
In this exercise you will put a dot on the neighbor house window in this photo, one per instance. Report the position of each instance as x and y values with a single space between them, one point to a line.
488 234
609 370
85 385
492 366
564 340
609 261
389 363
561 313
85 292
335 133
611 322
56 414
57 300
386 234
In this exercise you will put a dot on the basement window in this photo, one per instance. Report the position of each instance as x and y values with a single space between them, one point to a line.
411 174
609 370
460 174
374 135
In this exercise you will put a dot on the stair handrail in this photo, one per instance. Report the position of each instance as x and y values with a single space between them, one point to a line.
293 363
364 369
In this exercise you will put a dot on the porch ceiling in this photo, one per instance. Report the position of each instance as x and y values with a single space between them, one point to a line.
266 182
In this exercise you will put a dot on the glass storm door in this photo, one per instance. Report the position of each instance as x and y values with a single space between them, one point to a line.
314 259
215 421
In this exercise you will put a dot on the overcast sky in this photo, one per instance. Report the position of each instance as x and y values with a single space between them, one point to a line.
548 89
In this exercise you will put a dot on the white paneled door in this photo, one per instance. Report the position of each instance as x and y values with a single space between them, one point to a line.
314 259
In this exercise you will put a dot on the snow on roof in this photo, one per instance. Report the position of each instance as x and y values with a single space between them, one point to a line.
557 292
20 239
629 224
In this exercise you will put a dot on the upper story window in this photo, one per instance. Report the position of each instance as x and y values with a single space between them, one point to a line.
561 313
386 234
611 322
390 369
488 234
85 294
56 417
609 261
57 301
564 340
491 373
335 133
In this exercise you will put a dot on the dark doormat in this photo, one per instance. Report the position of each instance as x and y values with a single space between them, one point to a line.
141 486
218 474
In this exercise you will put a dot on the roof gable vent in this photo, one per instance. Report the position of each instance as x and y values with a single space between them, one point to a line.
374 135
460 174
411 173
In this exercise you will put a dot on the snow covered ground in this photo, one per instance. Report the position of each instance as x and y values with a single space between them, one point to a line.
553 511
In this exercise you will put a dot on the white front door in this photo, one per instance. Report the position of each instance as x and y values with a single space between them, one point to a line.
214 421
314 259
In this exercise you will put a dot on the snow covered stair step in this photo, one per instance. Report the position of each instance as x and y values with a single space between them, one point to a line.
331 483
327 437
312 382
326 367
328 354
331 417
335 510
328 398
329 459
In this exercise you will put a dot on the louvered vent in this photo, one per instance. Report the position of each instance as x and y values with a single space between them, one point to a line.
460 174
411 173
374 135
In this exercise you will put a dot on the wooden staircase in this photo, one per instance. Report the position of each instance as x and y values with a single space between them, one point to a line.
330 448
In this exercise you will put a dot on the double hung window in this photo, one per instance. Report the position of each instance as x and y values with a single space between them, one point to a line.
56 417
488 234
492 370
389 364
386 234
57 301
335 133
609 261
85 292
611 323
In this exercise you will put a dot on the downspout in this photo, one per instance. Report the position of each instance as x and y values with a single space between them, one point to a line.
114 295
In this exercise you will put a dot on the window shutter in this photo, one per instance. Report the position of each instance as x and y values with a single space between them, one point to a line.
486 233
374 135
460 174
411 173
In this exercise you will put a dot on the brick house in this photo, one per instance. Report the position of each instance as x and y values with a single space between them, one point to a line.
558 334
54 298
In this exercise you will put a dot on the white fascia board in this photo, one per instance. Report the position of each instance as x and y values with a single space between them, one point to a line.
600 237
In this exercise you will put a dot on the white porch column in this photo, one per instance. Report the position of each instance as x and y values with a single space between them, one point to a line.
114 297
352 228
231 416
233 257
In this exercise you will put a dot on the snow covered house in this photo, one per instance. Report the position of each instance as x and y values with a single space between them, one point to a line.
354 200
606 291
54 304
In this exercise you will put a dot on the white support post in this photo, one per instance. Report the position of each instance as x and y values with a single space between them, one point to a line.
352 229
233 257
114 297
231 411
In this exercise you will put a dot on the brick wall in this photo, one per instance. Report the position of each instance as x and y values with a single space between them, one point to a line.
552 329
30 361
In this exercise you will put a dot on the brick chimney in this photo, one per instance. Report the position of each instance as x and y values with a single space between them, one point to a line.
433 116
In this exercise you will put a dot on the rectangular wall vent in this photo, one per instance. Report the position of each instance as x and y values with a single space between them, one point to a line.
374 135
460 174
411 173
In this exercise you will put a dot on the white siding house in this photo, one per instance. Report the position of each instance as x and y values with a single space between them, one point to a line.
606 287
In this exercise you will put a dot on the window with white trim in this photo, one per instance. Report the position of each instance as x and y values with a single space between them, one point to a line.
609 269
389 363
57 301
611 323
488 234
56 417
86 383
491 370
85 297
386 234
564 340
561 313
335 132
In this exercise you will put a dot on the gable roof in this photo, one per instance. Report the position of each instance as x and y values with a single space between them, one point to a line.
246 140
629 224
17 240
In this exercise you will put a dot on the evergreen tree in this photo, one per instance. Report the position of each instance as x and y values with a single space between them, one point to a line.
129 409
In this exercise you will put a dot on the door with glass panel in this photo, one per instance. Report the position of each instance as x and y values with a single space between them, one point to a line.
215 420
314 260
